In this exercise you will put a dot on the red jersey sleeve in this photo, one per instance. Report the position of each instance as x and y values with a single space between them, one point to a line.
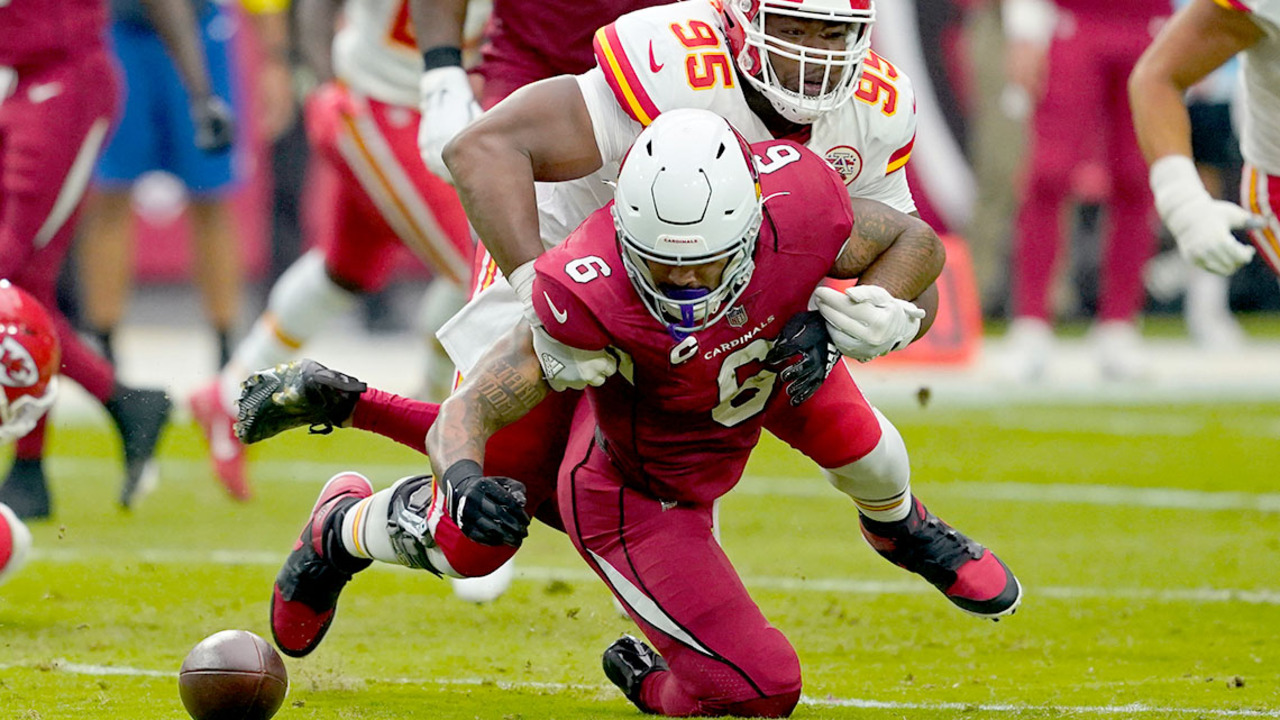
566 315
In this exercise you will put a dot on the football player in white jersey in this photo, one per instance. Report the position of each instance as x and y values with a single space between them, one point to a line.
797 69
362 122
1199 38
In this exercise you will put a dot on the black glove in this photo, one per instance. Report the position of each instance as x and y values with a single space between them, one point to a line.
805 335
215 125
488 510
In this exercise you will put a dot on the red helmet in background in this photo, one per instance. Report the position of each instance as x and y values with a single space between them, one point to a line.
29 360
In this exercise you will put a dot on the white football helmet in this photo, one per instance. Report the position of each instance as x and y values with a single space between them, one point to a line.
29 360
688 194
745 25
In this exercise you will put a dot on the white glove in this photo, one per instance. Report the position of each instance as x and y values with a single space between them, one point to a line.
865 321
448 105
1201 225
569 368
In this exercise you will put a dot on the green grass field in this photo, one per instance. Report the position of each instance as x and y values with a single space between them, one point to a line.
1146 538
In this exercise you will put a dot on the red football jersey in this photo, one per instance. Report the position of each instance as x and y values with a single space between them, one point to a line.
37 31
682 414
1130 9
559 31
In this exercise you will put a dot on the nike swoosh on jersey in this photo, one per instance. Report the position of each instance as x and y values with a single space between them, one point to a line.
654 65
561 315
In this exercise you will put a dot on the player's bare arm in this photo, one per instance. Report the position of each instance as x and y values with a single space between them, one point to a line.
438 23
894 251
506 384
177 25
1198 39
896 258
542 132
315 36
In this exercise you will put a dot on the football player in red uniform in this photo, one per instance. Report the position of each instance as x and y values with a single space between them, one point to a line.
57 100
774 68
680 330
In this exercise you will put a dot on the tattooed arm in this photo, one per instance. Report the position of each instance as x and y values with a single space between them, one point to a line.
505 385
895 251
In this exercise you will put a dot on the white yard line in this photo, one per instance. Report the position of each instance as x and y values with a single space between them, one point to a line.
803 486
859 703
844 586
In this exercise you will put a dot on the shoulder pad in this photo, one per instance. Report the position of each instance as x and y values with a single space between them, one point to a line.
666 57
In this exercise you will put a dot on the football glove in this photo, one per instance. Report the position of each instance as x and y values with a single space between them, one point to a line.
448 105
802 355
1201 225
865 321
569 368
214 124
488 510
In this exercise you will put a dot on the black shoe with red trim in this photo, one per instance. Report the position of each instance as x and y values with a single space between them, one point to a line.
970 575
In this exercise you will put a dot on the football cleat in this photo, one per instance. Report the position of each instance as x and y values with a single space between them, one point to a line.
303 393
627 662
25 490
971 576
15 543
225 451
305 596
140 416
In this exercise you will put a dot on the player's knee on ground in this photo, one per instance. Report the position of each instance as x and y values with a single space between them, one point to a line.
880 474
424 537
764 681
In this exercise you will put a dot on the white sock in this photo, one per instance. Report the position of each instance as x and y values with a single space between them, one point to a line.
365 532
879 482
301 303
364 528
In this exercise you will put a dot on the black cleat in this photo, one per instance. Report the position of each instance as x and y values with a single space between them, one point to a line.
25 490
968 574
627 662
303 393
305 596
140 416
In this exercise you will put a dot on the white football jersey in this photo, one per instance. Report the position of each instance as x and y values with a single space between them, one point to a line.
676 56
1260 68
376 52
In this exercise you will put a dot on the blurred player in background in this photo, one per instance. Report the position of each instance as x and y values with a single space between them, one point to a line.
362 121
29 361
163 128
804 71
57 104
677 362
1075 73
1201 37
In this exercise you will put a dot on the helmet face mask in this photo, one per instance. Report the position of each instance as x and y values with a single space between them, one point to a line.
687 197
29 360
766 36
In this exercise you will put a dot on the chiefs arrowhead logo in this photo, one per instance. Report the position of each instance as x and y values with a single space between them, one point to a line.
846 161
17 368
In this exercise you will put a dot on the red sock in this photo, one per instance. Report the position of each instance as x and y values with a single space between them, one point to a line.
404 420
31 445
